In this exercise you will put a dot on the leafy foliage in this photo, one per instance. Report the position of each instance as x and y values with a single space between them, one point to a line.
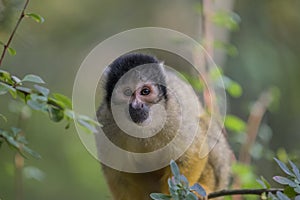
234 123
229 20
36 17
179 187
17 140
37 97
180 190
291 183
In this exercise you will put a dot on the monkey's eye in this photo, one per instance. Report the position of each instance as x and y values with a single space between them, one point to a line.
127 92
145 91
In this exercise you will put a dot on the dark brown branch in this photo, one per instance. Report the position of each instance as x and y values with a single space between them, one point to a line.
242 192
22 15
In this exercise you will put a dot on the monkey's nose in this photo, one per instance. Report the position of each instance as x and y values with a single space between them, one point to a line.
138 114
137 104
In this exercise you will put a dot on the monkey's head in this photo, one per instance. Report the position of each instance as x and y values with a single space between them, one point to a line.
136 83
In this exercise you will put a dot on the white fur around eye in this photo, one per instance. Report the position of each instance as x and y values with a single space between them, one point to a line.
127 92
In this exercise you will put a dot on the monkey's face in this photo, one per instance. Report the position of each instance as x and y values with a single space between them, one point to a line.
140 101
138 93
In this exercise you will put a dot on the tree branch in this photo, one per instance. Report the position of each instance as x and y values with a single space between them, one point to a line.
256 115
242 192
22 15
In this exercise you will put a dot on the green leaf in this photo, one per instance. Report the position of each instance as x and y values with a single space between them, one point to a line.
31 152
31 172
175 170
88 126
4 74
36 17
70 113
282 196
63 99
261 183
44 91
35 105
4 88
16 79
246 174
199 189
284 168
216 73
2 43
290 192
22 139
284 181
24 89
12 142
228 20
234 123
11 51
15 131
297 189
295 170
230 49
191 196
171 183
13 92
68 125
32 78
264 183
184 181
38 98
272 196
55 113
89 120
234 89
159 196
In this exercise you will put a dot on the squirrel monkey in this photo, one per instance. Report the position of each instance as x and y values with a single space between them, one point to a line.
149 95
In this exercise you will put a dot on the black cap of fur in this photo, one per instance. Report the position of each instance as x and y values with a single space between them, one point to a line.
122 65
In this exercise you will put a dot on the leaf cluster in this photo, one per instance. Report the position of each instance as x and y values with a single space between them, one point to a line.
16 140
291 183
29 90
179 187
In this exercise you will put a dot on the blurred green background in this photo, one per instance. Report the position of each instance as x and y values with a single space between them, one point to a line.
267 40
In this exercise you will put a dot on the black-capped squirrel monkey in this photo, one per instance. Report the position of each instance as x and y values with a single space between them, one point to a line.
157 101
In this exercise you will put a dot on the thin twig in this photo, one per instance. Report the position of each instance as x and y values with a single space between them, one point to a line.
22 15
19 162
242 192
203 59
207 26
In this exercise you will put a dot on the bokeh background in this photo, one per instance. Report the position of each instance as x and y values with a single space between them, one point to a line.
268 55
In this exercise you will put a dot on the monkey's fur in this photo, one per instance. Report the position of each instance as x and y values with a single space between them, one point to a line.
211 171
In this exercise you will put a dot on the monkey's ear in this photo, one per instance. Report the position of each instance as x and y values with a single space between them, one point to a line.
106 71
104 77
